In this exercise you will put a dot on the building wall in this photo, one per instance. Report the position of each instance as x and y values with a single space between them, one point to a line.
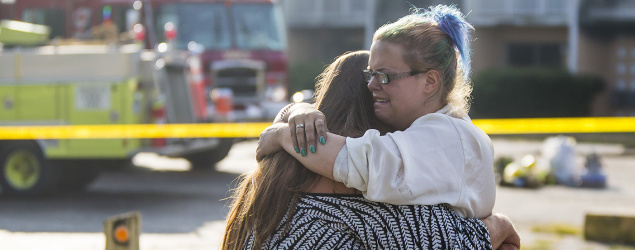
613 59
333 27
490 44
319 30
514 23
594 58
323 44
488 49
622 58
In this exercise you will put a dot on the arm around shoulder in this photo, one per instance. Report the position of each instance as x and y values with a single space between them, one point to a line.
323 159
502 233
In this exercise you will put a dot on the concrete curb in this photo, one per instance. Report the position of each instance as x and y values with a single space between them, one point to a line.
611 228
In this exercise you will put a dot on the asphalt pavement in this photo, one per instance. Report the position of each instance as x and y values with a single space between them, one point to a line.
184 209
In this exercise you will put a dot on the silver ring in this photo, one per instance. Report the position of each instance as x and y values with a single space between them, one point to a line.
299 125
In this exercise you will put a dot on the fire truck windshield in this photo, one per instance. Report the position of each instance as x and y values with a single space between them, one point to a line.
206 24
255 26
258 26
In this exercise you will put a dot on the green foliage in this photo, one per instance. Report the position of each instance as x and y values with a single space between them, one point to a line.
557 228
540 244
533 92
302 75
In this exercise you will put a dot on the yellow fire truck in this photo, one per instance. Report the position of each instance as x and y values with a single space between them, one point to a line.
83 84
157 61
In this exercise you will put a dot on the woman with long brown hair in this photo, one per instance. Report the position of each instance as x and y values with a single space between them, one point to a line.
271 192
284 205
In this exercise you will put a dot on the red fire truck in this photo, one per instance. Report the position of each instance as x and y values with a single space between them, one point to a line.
242 42
202 61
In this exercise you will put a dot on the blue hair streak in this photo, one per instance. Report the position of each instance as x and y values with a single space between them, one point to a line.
453 23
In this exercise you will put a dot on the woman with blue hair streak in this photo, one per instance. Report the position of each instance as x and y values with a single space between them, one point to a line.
418 74
283 205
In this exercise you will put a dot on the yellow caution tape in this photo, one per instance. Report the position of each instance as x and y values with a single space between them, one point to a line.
557 125
253 130
134 131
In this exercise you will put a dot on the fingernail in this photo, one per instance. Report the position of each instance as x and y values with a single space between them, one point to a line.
297 150
303 152
312 148
322 140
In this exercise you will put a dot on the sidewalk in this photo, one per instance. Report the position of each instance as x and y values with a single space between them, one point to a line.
552 217
205 238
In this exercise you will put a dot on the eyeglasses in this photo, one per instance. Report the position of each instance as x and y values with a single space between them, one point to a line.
385 78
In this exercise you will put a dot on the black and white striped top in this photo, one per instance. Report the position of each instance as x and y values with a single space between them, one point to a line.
335 221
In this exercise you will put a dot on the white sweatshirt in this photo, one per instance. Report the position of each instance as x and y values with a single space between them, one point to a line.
438 159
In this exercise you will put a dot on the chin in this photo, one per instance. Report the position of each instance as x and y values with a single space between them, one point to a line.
383 118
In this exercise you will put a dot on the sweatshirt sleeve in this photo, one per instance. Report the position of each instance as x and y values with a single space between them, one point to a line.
430 171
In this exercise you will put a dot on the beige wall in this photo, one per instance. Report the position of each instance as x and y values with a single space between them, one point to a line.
613 59
490 43
323 44
488 49
594 58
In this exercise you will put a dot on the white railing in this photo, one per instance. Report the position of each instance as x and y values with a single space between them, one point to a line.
326 13
517 12
618 10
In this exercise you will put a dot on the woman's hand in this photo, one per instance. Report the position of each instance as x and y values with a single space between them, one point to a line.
308 128
503 235
270 141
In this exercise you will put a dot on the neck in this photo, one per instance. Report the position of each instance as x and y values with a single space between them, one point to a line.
327 186
432 107
428 108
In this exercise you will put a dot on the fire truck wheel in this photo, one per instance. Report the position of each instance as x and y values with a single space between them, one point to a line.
24 170
208 159
76 175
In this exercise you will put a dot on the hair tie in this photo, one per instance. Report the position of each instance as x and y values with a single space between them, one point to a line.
452 22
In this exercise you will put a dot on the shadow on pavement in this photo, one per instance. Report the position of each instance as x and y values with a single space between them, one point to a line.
169 202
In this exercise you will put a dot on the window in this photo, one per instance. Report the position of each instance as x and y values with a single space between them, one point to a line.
203 23
54 18
219 27
258 26
620 68
535 55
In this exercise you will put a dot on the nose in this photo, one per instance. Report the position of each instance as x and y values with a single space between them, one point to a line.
373 84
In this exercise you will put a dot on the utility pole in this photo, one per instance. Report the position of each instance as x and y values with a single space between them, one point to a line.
574 36
369 27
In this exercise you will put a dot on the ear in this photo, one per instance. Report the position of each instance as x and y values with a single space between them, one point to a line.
432 81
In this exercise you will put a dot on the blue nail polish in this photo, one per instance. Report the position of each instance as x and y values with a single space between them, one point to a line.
322 140
297 150
312 148
303 152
